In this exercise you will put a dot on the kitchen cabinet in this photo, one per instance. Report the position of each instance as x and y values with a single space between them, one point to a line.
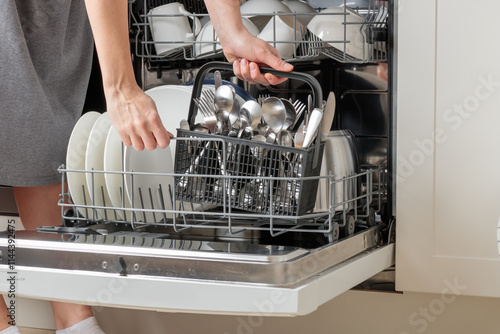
448 187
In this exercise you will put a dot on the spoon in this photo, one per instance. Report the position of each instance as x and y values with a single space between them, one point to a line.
224 100
290 114
285 138
217 79
184 125
274 113
234 115
252 111
201 127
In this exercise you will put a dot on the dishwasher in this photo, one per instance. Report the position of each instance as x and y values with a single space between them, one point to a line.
239 226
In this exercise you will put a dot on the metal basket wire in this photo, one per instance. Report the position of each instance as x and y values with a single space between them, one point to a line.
184 215
308 47
258 177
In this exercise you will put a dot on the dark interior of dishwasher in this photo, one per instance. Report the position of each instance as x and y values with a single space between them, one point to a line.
364 106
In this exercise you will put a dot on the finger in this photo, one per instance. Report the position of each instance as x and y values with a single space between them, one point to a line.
155 134
149 141
162 137
277 63
137 143
245 71
125 139
274 80
257 76
237 69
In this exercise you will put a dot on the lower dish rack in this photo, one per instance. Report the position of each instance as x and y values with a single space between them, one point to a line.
142 205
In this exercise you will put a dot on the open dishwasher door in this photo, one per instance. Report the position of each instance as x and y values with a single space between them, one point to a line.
189 276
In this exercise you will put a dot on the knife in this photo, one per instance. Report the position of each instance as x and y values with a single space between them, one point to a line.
328 115
314 122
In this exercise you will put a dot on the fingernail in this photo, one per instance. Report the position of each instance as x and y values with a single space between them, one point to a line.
253 67
288 67
244 62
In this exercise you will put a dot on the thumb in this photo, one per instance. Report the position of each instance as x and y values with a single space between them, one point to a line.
279 64
275 61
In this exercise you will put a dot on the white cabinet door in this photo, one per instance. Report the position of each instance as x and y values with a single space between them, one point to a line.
448 147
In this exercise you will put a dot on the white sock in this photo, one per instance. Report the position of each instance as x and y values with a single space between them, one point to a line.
87 326
11 330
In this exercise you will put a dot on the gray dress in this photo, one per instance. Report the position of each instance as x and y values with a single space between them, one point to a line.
46 51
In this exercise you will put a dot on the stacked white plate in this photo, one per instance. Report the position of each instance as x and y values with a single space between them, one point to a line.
106 166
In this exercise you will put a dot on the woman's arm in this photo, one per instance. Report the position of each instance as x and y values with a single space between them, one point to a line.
241 48
132 112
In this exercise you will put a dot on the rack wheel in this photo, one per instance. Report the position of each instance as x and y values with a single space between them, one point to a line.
68 214
370 221
334 234
348 228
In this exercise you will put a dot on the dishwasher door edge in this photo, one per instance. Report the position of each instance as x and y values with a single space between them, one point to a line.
193 296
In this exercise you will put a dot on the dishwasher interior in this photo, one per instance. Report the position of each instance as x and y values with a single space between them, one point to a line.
204 222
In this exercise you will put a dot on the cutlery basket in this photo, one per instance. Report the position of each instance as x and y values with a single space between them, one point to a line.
245 174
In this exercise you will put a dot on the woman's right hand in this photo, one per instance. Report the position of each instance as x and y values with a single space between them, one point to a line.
241 48
247 52
134 115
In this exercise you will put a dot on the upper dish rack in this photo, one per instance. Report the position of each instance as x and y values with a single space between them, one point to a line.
346 35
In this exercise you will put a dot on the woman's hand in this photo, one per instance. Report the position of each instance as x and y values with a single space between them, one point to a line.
244 50
247 52
135 117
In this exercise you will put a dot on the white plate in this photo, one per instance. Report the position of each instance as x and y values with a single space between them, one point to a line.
75 160
94 160
149 191
333 28
172 102
115 182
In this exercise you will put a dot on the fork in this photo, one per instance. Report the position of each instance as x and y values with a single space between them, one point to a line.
261 98
208 114
299 108
209 95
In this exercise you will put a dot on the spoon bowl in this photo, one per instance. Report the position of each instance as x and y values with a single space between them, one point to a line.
285 138
253 112
274 113
290 114
224 100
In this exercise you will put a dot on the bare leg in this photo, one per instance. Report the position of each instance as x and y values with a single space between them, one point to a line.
38 207
66 314
4 316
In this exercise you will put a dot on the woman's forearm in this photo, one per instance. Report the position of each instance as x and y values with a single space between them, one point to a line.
109 21
132 112
226 18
